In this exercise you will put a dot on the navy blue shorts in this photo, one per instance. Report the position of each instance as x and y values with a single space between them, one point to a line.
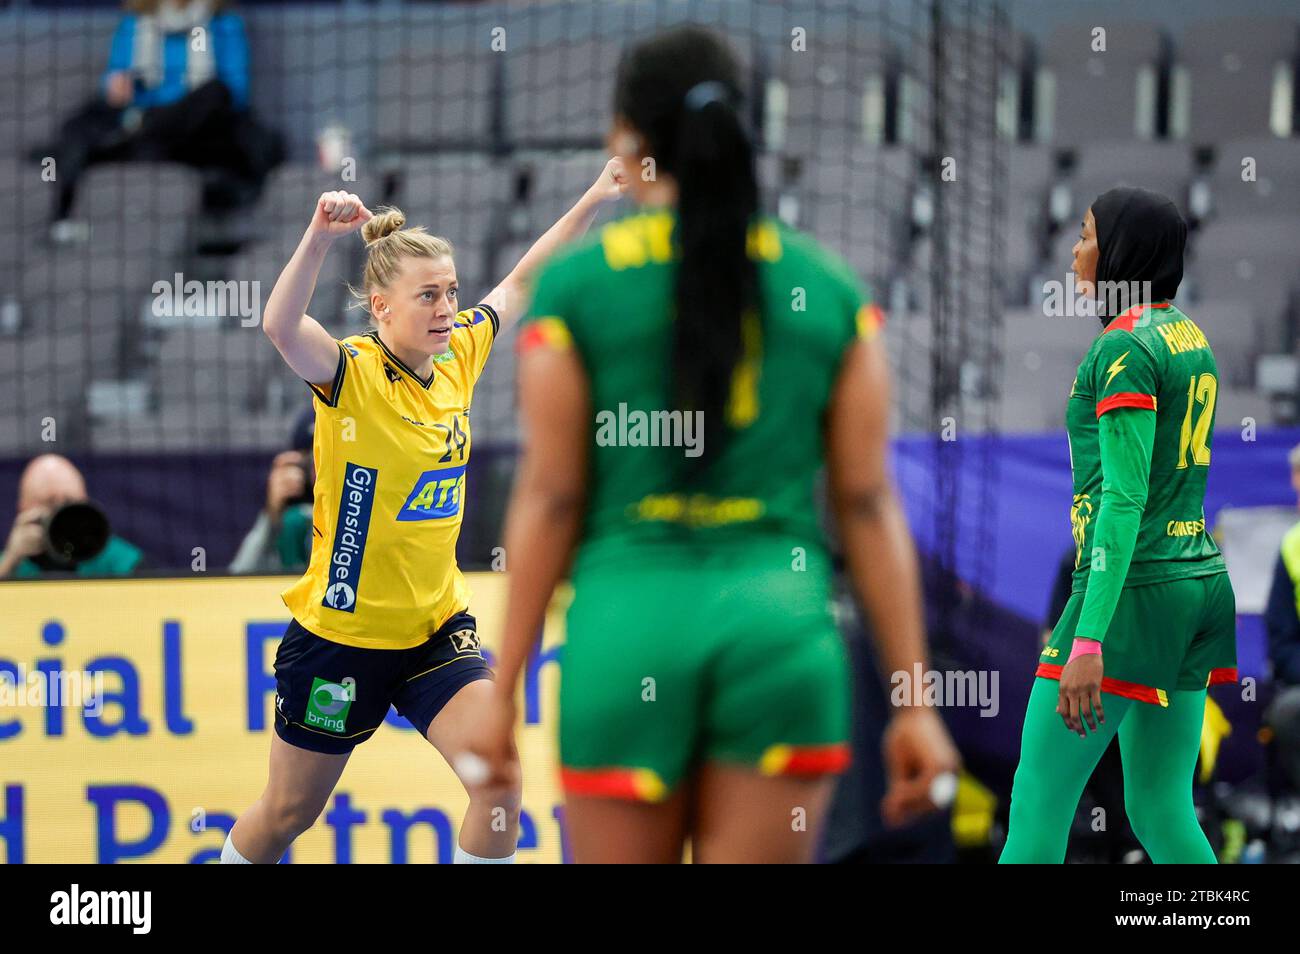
330 697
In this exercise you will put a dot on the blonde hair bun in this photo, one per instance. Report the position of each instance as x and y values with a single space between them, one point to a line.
386 221
385 259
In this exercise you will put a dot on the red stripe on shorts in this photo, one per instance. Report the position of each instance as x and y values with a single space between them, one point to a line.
1116 687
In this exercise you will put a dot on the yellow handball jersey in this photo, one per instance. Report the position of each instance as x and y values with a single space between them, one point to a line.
390 452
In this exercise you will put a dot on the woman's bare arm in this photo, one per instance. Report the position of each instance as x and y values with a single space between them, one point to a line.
883 568
308 348
510 298
546 507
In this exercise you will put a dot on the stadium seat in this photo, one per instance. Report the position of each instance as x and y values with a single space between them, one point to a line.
30 200
859 203
139 208
558 180
60 274
459 197
1162 167
1234 78
1275 187
1231 328
308 71
49 67
1035 383
559 101
293 188
1253 261
1024 210
830 96
210 383
1236 408
1087 96
1030 329
262 262
433 86
43 377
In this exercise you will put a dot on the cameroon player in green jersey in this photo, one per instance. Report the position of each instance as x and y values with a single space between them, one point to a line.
1151 620
684 376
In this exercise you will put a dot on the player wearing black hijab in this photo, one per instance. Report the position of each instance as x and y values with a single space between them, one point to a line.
1149 582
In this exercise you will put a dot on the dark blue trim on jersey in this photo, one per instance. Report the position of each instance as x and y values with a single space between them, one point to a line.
478 313
492 316
337 386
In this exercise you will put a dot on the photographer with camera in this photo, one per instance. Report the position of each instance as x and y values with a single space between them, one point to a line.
280 540
60 530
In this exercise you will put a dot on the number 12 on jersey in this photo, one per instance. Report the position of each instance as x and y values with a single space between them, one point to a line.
1201 391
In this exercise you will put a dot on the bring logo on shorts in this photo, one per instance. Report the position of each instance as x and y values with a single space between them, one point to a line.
328 704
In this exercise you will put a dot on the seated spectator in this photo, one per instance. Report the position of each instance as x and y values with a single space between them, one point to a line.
47 483
1282 619
176 89
280 539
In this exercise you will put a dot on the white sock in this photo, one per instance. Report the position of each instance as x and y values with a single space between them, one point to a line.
463 857
231 856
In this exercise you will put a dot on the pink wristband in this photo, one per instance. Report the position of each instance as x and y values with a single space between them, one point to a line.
1084 647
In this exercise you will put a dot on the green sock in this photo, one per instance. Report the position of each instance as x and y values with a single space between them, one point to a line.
1159 746
1054 767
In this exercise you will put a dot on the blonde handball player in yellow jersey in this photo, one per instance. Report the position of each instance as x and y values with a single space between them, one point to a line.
381 615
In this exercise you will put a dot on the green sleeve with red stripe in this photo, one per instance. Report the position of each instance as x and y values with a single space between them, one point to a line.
1124 372
553 314
1125 384
1126 435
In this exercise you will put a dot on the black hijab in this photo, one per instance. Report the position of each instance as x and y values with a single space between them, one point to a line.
1140 238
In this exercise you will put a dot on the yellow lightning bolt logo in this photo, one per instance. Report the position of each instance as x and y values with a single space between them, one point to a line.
1115 368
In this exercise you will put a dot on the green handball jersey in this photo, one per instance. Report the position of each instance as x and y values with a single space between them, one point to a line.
612 298
710 598
1153 359
1149 581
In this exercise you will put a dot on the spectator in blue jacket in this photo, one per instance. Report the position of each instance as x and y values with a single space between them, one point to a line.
176 89
1282 620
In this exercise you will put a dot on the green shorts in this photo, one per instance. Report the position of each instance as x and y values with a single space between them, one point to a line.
669 663
1179 634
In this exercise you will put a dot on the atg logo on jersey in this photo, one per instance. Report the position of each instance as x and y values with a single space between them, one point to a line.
436 495
344 575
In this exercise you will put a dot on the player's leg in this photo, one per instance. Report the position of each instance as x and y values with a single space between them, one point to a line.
1055 764
629 716
298 785
329 699
745 817
1160 745
442 684
490 829
606 830
776 718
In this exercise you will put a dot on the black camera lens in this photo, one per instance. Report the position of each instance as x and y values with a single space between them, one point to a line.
76 532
